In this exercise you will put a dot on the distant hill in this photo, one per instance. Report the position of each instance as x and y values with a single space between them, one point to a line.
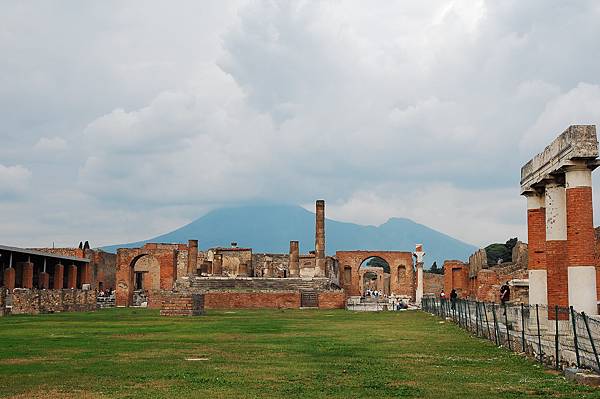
269 228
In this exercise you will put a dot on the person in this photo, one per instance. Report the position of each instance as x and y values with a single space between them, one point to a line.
453 298
504 294
443 296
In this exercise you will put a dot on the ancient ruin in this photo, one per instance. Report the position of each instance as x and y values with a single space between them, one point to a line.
558 185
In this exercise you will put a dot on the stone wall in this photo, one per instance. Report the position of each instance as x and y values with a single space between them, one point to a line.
269 300
25 301
270 265
433 283
181 304
199 284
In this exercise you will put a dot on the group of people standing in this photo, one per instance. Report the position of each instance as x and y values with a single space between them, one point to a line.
504 295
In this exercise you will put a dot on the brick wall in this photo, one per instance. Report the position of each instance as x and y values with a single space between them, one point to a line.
181 304
332 300
433 283
33 301
251 300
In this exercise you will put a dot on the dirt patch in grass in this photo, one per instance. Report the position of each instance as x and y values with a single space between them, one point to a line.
56 394
27 360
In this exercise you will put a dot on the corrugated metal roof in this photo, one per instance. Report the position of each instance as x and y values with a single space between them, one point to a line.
42 253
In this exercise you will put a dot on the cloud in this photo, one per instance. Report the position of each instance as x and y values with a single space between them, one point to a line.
159 113
14 181
52 144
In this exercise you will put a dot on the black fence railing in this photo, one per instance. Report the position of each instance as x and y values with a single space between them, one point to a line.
557 337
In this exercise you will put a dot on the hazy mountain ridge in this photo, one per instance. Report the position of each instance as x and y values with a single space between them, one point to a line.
269 228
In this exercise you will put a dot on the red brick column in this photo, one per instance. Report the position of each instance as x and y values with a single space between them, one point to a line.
536 237
192 265
59 277
44 281
556 248
320 263
10 278
580 240
27 275
86 274
72 276
217 265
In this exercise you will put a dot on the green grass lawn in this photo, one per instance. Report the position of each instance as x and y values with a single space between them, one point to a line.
127 353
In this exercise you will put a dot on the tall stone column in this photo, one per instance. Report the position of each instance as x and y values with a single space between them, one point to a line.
218 264
27 275
72 277
10 275
419 255
86 274
59 276
536 237
294 262
44 278
192 264
320 239
556 248
581 239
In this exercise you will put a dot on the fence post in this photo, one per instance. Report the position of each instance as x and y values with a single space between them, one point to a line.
487 323
496 329
469 314
506 326
537 317
575 336
556 354
523 327
477 318
587 327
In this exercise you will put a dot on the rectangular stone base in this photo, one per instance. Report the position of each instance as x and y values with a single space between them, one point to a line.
181 304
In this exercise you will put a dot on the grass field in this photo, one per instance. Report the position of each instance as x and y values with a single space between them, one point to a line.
127 353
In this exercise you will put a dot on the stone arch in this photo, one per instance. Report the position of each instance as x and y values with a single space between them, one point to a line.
127 258
404 286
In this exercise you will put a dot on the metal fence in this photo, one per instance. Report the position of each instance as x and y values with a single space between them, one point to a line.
557 337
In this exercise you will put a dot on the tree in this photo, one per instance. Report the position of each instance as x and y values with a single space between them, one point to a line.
435 269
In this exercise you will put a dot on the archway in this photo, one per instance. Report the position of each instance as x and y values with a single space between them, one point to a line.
146 278
375 275
397 264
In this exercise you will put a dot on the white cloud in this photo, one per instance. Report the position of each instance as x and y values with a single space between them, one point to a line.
51 144
418 109
14 181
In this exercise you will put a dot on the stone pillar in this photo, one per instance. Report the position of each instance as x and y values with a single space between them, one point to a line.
27 275
44 281
556 248
72 276
192 264
294 262
320 239
536 236
217 264
581 240
86 274
419 255
59 276
10 275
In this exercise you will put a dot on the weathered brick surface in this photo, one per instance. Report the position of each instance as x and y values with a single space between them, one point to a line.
26 301
166 256
3 292
557 274
433 283
332 300
456 276
580 227
251 300
536 235
181 304
402 275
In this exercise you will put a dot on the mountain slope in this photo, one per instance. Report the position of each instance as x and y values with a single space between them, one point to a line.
269 228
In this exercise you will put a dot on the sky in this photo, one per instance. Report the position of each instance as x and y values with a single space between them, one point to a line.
123 120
